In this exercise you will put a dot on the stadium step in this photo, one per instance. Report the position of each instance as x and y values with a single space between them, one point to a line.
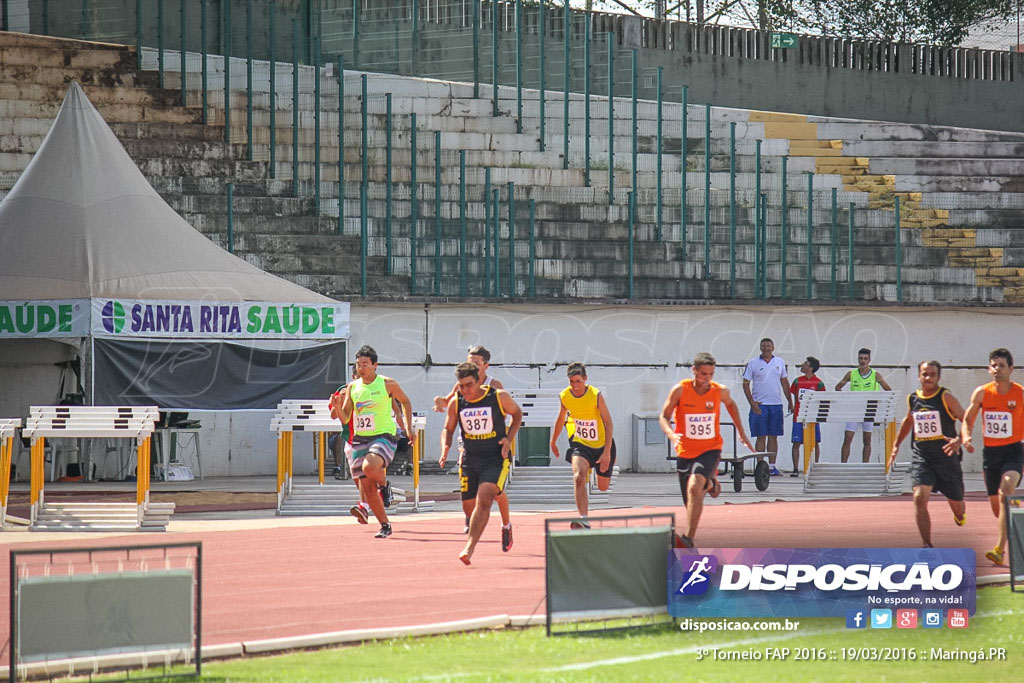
852 479
551 486
64 516
331 499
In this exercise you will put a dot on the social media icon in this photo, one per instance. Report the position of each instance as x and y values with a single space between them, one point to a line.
932 618
958 618
906 618
856 618
881 618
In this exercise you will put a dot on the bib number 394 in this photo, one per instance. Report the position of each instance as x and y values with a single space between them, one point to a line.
700 427
998 424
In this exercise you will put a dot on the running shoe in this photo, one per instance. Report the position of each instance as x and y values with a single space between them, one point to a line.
995 556
795 473
360 513
338 474
465 529
683 541
385 531
581 523
774 471
961 520
927 545
506 538
386 495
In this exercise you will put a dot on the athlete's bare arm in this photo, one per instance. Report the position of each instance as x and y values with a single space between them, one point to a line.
881 382
905 427
609 431
441 402
337 398
345 413
556 430
967 426
734 413
511 408
448 433
395 391
953 407
667 411
843 382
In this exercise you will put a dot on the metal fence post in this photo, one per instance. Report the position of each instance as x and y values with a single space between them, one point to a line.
462 222
565 98
732 210
784 228
758 264
586 99
86 29
364 238
519 66
494 57
496 194
416 45
832 244
341 144
181 57
46 17
631 208
707 191
682 178
899 250
159 42
487 231
437 212
413 203
849 248
273 90
542 66
512 240
295 107
248 75
764 245
659 145
138 30
611 117
355 33
364 179
387 184
231 218
227 73
634 66
810 235
205 66
476 45
533 249
316 122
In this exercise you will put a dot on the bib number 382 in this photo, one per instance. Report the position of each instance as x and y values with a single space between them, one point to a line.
700 427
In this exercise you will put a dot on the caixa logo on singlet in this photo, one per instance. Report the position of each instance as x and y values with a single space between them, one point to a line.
113 317
697 574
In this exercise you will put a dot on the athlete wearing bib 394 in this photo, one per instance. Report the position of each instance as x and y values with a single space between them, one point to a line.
586 429
482 423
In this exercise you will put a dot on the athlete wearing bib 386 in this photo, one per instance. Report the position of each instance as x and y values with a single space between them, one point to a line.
480 414
693 407
590 429
932 413
1001 404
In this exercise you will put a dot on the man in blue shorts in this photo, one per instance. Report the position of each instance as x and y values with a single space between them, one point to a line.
766 384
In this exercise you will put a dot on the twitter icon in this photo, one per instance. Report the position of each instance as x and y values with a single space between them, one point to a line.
881 618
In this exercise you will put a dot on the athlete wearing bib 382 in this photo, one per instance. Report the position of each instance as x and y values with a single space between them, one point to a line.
1001 404
368 403
590 429
480 414
693 405
932 414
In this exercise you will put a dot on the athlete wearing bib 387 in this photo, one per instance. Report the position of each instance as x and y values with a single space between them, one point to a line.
480 414
932 413
1001 404
590 428
693 405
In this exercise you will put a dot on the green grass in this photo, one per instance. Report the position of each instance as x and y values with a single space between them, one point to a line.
527 654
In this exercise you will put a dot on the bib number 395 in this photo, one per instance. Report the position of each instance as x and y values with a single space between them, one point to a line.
700 427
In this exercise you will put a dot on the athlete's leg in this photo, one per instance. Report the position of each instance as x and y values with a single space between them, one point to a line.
486 493
374 469
924 522
867 446
695 493
580 474
958 507
847 440
503 510
1007 484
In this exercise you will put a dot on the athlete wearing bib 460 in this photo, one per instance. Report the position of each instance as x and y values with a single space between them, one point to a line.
693 407
590 429
932 414
480 414
1001 405
368 403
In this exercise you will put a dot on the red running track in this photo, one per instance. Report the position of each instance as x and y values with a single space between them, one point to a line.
289 581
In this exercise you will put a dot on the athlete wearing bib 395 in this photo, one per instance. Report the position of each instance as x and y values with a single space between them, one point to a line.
932 413
1001 405
590 428
689 418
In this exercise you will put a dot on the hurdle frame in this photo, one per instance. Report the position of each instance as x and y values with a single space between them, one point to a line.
8 429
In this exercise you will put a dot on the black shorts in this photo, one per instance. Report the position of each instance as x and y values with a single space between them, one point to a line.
591 455
705 464
943 473
998 460
473 471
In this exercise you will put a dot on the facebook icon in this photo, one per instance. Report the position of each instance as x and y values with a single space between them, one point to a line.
856 618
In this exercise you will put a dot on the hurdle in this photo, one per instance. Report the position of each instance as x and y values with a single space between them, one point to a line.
92 422
314 416
8 429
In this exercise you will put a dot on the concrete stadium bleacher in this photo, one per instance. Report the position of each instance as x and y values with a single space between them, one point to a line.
959 188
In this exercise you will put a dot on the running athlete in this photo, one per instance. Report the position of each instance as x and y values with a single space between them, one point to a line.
861 378
693 406
1001 404
481 358
480 412
590 437
932 414
375 436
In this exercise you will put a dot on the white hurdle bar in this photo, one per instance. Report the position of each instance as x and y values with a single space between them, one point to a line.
818 407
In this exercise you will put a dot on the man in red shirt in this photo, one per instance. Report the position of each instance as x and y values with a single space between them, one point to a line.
807 382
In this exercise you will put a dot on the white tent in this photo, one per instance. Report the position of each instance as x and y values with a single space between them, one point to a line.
91 255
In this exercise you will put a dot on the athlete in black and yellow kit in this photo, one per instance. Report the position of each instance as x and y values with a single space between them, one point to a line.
590 432
480 412
932 414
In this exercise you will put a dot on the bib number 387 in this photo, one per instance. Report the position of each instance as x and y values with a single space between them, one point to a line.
700 427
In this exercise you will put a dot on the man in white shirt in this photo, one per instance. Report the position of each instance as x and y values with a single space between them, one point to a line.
766 385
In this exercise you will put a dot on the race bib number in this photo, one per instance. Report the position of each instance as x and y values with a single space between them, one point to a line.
477 421
366 424
998 424
586 430
927 425
803 394
700 427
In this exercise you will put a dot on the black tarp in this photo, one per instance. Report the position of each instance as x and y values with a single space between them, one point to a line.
213 375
